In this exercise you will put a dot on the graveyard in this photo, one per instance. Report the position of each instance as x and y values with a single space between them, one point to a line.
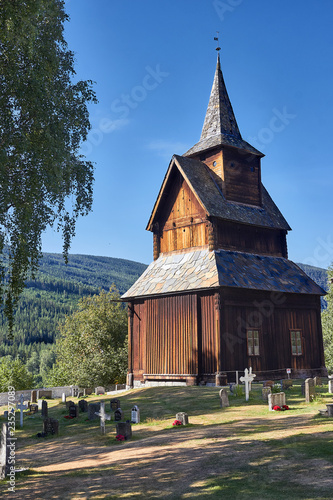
228 447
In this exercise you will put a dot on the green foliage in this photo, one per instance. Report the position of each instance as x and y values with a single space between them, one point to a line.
327 323
14 374
92 347
43 121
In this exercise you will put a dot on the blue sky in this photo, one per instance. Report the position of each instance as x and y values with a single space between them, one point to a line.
153 63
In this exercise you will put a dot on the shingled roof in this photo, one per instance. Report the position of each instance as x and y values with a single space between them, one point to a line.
201 181
201 269
220 125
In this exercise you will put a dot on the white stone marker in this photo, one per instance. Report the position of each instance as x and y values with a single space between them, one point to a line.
20 406
247 379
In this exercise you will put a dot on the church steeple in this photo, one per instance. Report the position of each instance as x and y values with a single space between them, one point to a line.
220 118
220 126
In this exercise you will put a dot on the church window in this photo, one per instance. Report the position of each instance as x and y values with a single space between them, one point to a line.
296 342
252 342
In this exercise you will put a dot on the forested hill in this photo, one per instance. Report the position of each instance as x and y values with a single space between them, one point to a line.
317 274
55 293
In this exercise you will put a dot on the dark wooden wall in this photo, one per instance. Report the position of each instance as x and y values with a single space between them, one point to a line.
242 177
196 334
243 238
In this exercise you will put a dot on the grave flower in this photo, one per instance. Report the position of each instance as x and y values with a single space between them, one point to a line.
177 422
120 437
285 407
277 408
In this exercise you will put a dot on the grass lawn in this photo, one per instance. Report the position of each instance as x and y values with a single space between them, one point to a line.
232 453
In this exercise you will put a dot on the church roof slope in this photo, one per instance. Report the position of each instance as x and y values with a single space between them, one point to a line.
202 182
200 269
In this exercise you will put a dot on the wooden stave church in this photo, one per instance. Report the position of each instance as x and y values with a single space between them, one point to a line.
221 294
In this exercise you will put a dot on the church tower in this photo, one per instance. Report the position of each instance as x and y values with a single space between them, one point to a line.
221 294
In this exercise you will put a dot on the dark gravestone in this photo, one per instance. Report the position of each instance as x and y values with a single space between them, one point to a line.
83 405
73 410
33 408
4 451
44 409
69 403
124 429
118 415
92 409
114 404
33 396
50 426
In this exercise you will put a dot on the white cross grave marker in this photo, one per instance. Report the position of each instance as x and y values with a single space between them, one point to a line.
20 406
247 379
104 416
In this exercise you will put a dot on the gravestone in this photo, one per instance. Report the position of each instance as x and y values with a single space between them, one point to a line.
63 398
118 415
73 410
21 406
232 388
44 409
39 403
83 405
50 426
125 429
220 379
103 416
34 408
5 414
317 381
135 415
247 379
224 400
182 417
310 390
99 390
87 391
69 403
268 383
330 384
33 396
276 399
265 392
4 451
329 407
92 409
286 384
114 404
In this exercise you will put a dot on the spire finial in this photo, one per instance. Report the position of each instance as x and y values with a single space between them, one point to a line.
216 38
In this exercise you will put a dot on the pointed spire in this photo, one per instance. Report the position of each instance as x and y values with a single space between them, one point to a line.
220 118
220 127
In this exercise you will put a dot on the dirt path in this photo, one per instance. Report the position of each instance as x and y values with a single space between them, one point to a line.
168 465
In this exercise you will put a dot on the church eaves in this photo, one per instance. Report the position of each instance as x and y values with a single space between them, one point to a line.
220 125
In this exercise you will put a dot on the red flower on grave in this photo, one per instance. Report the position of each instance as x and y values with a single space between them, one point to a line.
177 422
120 437
68 417
285 407
277 408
